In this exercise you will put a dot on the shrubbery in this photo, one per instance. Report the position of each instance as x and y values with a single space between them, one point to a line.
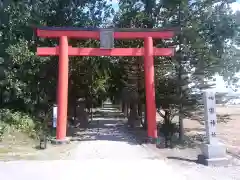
18 121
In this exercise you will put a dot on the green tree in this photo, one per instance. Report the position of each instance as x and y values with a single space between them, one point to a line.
31 81
204 28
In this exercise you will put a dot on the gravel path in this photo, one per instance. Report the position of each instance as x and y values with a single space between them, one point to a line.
183 161
106 139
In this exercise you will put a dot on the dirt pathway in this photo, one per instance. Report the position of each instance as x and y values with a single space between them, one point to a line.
106 139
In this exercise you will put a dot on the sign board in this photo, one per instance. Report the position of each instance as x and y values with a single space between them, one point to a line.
55 116
210 116
106 38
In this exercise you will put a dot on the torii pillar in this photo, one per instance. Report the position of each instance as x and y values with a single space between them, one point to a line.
62 90
150 87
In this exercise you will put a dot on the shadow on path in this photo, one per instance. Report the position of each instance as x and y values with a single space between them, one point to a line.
107 125
182 159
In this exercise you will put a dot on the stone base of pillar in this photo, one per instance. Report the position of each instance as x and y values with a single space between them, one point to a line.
213 155
60 141
151 140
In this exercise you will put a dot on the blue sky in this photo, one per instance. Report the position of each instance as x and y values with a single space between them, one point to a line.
220 84
114 3
236 5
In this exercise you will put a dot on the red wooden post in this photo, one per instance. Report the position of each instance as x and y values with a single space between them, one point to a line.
150 87
62 93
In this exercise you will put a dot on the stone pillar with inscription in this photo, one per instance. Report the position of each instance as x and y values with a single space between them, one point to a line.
213 152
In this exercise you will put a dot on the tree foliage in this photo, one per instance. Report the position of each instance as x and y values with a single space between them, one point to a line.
206 33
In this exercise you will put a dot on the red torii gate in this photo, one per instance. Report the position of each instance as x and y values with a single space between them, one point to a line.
106 37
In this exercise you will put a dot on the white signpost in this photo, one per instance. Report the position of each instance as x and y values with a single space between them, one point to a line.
54 116
213 152
54 124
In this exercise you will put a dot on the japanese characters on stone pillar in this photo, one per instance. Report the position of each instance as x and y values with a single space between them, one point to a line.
213 152
210 116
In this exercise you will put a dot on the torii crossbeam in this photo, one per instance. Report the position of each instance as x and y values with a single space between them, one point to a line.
106 36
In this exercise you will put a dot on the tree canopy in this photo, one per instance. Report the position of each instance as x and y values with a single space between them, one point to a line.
207 34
